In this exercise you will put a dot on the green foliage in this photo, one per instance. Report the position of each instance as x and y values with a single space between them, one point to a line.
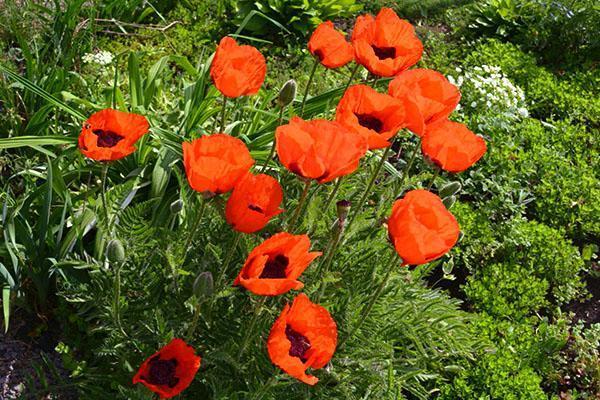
506 290
559 31
300 16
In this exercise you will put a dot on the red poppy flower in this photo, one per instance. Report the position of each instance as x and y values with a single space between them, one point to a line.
215 163
111 134
253 202
237 70
421 228
273 267
386 45
452 146
170 370
376 116
434 96
330 46
304 336
319 149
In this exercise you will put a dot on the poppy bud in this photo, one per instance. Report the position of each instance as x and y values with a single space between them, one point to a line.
115 251
448 267
176 206
449 201
343 208
450 189
287 94
203 285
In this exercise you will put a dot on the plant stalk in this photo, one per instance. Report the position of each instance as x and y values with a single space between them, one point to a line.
272 152
257 310
310 79
300 206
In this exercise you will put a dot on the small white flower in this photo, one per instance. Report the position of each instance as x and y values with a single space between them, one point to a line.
474 104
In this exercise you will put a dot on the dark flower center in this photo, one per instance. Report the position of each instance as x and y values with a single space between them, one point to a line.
162 372
275 267
300 343
370 122
383 53
256 208
107 138
319 54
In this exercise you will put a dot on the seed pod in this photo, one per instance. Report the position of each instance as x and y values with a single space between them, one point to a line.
115 251
176 206
343 208
287 94
450 189
203 285
449 201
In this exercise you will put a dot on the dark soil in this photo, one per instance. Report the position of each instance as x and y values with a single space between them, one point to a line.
589 311
24 355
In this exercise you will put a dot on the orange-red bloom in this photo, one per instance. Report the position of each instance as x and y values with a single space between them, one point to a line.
434 96
421 228
319 149
253 202
377 117
237 70
111 134
452 146
215 163
385 45
273 267
330 46
170 370
304 336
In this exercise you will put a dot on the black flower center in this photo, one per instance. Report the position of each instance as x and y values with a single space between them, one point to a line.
107 138
300 343
275 267
383 53
162 372
370 122
319 54
256 208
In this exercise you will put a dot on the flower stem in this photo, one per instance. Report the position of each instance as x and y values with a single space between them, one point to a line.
409 164
300 206
195 226
117 298
433 178
367 308
310 79
361 202
352 75
195 319
103 194
330 198
228 258
223 114
324 268
257 309
272 152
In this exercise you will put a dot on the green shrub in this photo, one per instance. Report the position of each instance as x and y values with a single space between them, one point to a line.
568 97
558 31
299 16
514 369
506 291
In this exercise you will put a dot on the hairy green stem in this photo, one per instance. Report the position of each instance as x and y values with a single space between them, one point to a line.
310 79
196 224
223 114
103 194
367 309
330 198
272 152
352 75
228 258
257 310
434 177
300 206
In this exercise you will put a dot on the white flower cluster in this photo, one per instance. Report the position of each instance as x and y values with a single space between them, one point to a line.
100 57
487 90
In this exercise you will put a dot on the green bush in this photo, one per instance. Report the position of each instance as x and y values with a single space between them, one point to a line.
506 291
573 96
560 32
299 16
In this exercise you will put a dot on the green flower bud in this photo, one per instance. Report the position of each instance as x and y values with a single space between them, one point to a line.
449 201
450 189
115 251
176 206
343 208
203 285
287 94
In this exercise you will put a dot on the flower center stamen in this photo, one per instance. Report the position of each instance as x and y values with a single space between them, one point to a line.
383 53
275 267
107 138
256 208
162 372
370 122
300 343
